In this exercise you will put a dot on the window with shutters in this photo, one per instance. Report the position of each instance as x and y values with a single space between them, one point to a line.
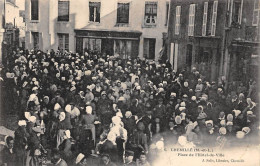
177 20
214 18
150 16
191 20
94 11
205 15
123 13
235 12
63 10
34 9
256 13
63 43
167 13
35 40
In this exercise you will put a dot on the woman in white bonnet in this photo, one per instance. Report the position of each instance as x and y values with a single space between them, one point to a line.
87 121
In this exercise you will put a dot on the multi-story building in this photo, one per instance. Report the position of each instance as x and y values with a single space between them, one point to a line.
129 28
14 22
205 34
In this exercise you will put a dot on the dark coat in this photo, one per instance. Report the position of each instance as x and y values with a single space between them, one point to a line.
8 157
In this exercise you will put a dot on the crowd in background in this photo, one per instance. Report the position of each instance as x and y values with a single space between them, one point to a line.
98 109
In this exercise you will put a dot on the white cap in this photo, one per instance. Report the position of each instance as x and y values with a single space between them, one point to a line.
57 107
222 131
73 83
229 123
72 88
182 108
68 108
67 134
128 114
89 110
88 72
183 104
27 115
193 98
25 83
249 112
79 158
237 112
34 88
116 120
209 122
173 94
240 135
223 122
62 116
32 119
22 123
246 130
119 114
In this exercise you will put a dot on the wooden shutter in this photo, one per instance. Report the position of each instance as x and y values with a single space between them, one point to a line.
205 15
214 18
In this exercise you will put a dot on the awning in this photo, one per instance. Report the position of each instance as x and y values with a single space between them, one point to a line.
108 34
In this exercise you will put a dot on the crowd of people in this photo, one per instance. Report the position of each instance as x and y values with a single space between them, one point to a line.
98 109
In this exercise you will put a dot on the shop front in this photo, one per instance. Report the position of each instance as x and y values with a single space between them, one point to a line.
244 61
124 44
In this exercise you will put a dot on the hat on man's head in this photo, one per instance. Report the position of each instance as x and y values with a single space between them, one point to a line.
129 153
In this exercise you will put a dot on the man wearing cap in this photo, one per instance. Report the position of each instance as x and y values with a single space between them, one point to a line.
104 109
129 156
58 99
159 110
170 107
106 161
57 160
